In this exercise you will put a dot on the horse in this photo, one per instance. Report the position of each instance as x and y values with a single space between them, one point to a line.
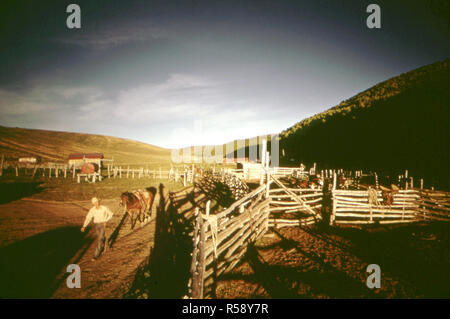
140 202
388 194
345 182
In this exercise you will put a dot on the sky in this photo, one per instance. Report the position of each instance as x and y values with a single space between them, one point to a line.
181 73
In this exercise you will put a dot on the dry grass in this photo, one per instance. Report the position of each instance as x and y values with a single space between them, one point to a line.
63 190
56 146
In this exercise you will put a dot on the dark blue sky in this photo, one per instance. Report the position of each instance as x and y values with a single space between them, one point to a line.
176 73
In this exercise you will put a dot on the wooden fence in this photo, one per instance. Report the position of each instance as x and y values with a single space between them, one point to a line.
407 206
433 205
286 171
261 173
220 240
286 210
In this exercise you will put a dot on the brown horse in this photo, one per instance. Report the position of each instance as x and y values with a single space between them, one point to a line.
138 202
388 194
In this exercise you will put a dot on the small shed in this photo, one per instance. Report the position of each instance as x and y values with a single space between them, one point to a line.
77 160
250 170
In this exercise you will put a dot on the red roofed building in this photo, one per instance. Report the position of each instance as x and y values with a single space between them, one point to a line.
79 159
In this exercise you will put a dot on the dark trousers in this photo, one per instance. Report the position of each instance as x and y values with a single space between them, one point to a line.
100 230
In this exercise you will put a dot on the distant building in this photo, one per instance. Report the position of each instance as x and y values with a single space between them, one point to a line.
250 170
77 160
28 159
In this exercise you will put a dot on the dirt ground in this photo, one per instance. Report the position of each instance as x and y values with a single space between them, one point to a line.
318 262
38 239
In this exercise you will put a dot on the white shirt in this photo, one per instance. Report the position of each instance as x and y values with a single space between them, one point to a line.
100 215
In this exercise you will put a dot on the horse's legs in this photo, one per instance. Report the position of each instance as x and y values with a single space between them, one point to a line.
132 220
147 209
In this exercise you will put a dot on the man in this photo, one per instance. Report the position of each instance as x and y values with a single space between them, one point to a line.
101 214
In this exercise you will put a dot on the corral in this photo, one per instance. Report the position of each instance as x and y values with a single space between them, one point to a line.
221 240
213 233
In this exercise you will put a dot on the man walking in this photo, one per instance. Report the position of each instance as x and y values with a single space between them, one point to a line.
101 215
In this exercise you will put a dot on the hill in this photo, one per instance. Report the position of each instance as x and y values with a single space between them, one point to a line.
56 146
401 123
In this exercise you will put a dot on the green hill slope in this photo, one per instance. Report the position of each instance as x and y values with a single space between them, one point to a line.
56 146
401 123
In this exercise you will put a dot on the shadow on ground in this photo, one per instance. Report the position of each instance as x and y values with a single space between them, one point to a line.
11 191
287 282
165 274
29 268
417 254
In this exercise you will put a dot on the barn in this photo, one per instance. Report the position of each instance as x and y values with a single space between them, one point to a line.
77 160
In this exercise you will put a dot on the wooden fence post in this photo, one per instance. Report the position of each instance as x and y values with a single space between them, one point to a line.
376 181
34 171
202 256
208 204
333 198
1 165
198 257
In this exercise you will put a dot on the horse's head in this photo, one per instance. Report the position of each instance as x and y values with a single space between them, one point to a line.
124 199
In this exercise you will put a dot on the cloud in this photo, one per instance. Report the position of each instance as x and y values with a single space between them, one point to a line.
184 109
48 99
175 98
116 36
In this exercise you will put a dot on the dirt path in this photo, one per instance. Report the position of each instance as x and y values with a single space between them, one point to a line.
112 274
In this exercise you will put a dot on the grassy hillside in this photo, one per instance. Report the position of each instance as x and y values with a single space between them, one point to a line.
56 146
400 123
